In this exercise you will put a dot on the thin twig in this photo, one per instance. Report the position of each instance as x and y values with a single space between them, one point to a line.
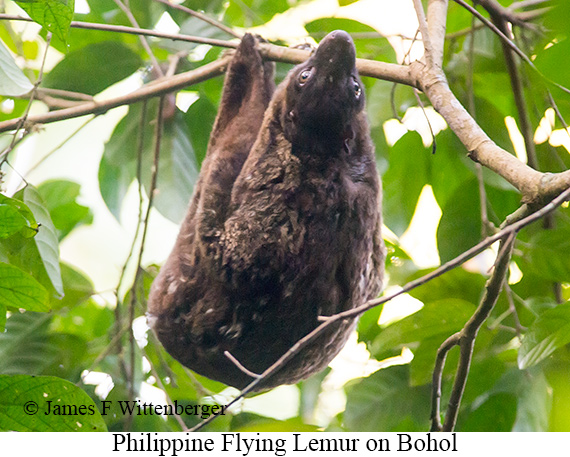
161 386
238 364
423 108
107 350
500 34
505 14
13 144
201 16
558 113
519 328
428 48
60 145
65 94
133 31
140 146
463 32
22 120
496 12
136 282
437 377
465 339
525 4
155 66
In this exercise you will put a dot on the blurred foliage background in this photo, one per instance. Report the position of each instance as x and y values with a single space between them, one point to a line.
72 292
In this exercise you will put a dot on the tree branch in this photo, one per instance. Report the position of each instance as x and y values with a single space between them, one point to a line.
436 19
387 71
154 89
469 332
437 377
533 185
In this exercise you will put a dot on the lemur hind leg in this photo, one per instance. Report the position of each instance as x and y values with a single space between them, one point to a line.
177 295
248 88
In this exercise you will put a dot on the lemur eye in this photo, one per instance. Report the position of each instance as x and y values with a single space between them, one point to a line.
357 89
305 75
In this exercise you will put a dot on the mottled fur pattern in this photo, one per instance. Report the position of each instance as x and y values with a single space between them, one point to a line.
284 225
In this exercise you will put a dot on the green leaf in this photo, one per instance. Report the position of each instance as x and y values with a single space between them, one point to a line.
449 167
93 68
485 85
199 121
45 243
399 265
86 319
368 327
384 402
2 317
248 422
114 181
310 389
10 220
19 290
548 62
492 121
549 332
548 253
12 81
460 225
60 197
557 376
534 404
177 170
496 414
28 346
179 385
54 15
31 404
458 19
247 13
403 182
486 370
556 18
443 317
76 286
19 108
457 283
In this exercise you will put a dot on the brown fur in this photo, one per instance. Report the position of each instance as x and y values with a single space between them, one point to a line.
284 225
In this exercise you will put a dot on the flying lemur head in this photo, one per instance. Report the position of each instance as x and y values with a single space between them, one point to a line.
325 92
